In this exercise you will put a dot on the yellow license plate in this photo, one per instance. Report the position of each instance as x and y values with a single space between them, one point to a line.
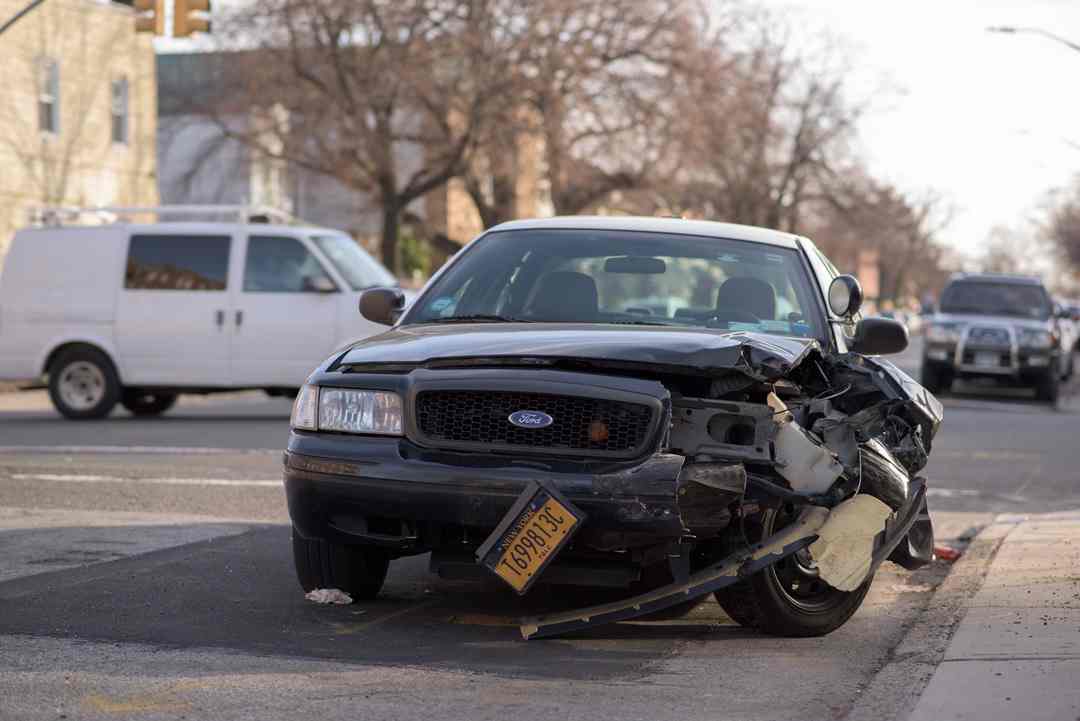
534 531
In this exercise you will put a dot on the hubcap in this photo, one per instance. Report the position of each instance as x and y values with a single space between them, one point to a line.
81 385
796 576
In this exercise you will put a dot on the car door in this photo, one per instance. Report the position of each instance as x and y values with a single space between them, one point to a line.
171 311
286 312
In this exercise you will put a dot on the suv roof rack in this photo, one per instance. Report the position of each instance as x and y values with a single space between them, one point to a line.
103 215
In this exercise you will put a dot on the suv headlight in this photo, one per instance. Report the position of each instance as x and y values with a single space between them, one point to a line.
1038 339
941 333
348 411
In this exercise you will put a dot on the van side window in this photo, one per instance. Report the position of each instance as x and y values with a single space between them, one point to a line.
177 262
282 265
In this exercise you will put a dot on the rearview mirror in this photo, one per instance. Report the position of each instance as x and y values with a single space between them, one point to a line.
845 296
636 265
879 336
382 305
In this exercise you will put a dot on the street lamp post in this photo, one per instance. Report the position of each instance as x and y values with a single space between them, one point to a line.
1011 30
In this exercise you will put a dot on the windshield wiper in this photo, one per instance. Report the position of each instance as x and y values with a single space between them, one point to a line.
479 318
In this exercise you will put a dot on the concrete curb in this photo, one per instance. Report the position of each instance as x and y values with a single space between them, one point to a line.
897 687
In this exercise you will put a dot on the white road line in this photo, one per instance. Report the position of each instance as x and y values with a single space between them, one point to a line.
72 478
166 450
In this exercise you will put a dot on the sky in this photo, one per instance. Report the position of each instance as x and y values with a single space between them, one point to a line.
985 119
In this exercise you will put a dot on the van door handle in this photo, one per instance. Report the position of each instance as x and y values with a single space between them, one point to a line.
239 318
219 318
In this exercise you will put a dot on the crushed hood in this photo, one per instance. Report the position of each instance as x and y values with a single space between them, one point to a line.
761 356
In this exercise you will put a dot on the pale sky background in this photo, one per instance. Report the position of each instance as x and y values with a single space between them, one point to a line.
986 119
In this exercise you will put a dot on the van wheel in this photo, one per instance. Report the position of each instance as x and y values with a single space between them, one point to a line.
146 403
358 570
83 383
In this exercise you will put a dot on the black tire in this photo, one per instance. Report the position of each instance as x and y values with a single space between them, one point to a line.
83 383
935 380
772 602
1049 387
146 403
358 570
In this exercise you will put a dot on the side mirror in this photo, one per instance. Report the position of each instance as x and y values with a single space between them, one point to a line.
382 305
319 284
845 296
879 336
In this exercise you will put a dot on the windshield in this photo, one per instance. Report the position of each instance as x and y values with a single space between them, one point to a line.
625 277
980 298
358 268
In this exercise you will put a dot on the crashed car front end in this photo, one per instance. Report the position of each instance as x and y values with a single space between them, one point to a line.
677 444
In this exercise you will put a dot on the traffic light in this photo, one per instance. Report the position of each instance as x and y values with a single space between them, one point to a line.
191 16
150 16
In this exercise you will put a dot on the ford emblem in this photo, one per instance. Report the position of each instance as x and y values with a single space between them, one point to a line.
530 419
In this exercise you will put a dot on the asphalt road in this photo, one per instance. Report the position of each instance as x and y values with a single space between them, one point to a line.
145 572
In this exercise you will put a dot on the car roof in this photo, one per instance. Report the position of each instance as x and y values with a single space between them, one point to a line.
996 278
180 228
704 228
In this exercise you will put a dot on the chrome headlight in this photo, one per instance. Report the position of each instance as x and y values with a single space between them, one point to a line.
348 411
941 333
1038 339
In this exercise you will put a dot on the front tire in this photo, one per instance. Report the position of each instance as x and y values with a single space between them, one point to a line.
787 598
934 379
358 570
144 403
83 383
1049 387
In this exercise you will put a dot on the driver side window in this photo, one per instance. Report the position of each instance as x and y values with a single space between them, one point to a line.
276 264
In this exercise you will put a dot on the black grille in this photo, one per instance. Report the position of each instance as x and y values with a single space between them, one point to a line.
590 425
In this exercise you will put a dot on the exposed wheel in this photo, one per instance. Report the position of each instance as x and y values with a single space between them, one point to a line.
1049 387
935 380
788 598
146 403
83 383
358 570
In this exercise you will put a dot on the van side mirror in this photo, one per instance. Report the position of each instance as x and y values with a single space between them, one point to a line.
845 296
879 336
382 305
319 284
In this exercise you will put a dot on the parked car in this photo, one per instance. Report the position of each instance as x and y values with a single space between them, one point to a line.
137 314
1000 327
524 419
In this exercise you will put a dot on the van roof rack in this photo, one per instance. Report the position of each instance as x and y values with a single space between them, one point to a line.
103 215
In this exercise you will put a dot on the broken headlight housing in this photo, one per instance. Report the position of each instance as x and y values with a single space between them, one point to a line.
943 333
345 410
1036 339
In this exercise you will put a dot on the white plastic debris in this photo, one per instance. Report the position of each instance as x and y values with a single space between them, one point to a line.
808 467
329 595
845 545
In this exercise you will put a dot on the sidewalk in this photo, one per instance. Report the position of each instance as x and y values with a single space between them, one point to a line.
1016 652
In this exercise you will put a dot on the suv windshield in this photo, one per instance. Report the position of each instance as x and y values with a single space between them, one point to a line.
358 268
988 298
625 277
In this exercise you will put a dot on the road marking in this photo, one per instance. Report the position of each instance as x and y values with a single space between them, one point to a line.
73 478
167 450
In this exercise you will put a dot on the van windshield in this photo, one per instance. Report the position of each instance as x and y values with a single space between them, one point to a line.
358 268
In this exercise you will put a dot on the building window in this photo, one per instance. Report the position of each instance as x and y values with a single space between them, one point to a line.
120 111
49 97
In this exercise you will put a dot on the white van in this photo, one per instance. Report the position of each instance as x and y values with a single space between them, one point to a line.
136 314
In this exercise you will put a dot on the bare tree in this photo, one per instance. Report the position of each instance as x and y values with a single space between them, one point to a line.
1062 228
387 96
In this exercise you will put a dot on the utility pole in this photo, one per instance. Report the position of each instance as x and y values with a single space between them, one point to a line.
1011 30
19 15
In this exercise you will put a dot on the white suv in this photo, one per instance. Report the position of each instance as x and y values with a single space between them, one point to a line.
136 314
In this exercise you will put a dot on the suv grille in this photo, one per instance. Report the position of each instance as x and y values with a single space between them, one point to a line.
989 337
590 425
